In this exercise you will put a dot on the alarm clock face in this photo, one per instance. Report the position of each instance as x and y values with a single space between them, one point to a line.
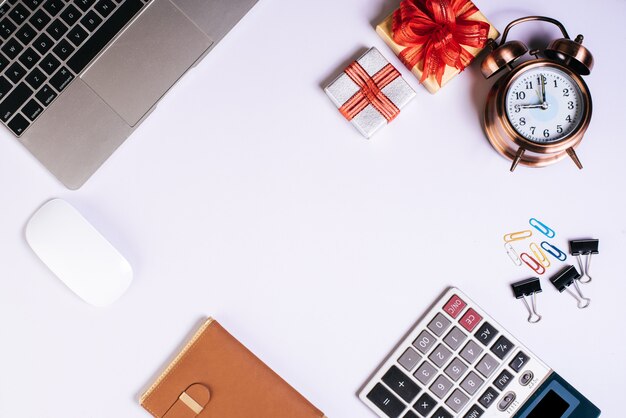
544 105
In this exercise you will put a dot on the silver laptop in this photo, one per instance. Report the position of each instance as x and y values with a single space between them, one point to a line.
78 76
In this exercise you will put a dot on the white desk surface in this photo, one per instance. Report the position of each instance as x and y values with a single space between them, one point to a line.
246 196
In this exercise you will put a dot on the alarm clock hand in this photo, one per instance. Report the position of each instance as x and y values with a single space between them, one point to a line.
532 106
543 92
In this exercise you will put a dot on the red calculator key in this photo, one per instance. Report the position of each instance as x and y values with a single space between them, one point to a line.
454 306
470 320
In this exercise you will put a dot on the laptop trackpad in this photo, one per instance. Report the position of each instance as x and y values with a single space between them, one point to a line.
146 60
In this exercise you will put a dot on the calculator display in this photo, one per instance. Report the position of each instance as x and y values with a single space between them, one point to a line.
552 405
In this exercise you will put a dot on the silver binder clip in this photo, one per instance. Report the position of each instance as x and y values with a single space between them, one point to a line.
528 289
567 277
586 247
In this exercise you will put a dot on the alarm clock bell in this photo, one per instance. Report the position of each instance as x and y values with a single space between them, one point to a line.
566 60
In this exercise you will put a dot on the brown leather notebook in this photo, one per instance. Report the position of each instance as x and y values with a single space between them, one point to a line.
215 376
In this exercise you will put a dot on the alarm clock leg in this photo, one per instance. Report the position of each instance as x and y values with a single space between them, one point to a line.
574 157
518 158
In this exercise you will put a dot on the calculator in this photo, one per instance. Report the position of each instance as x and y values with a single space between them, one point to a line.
458 362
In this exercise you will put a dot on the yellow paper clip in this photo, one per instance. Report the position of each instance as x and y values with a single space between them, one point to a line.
512 254
533 264
539 255
517 236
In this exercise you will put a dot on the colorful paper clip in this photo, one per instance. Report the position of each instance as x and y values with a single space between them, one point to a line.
539 255
512 254
528 289
553 251
564 279
586 247
541 227
533 264
517 236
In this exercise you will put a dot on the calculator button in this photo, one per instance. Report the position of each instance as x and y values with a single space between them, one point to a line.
456 369
474 412
486 333
457 400
519 361
410 414
440 355
455 338
424 341
425 405
442 413
472 383
401 384
506 401
503 380
425 373
526 378
409 359
470 320
502 347
487 365
454 306
385 401
441 387
471 352
439 325
488 397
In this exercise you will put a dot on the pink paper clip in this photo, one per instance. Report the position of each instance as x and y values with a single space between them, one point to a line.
532 263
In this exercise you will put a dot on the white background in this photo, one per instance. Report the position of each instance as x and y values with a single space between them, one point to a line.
246 196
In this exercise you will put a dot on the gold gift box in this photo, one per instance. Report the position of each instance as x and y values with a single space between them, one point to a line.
385 32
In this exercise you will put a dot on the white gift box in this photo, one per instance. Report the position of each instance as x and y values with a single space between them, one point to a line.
370 92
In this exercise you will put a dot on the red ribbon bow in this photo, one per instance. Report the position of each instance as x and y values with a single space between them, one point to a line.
370 91
435 31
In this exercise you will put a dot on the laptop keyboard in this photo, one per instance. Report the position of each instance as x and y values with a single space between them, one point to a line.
44 46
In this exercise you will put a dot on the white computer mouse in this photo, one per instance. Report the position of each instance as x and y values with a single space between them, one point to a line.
78 254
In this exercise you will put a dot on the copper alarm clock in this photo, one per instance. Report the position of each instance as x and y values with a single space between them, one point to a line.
539 111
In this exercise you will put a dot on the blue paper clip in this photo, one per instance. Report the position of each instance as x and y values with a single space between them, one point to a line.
541 227
553 251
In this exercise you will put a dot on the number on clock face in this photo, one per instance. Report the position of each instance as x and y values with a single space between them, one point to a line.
549 117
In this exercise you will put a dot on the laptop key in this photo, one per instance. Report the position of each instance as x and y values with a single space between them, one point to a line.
105 7
6 28
10 105
57 29
91 21
15 72
4 9
26 34
46 95
40 19
19 13
84 4
104 35
5 86
32 4
77 35
3 62
70 15
32 109
64 49
29 58
61 79
53 7
18 125
12 48
43 43
35 78
49 64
